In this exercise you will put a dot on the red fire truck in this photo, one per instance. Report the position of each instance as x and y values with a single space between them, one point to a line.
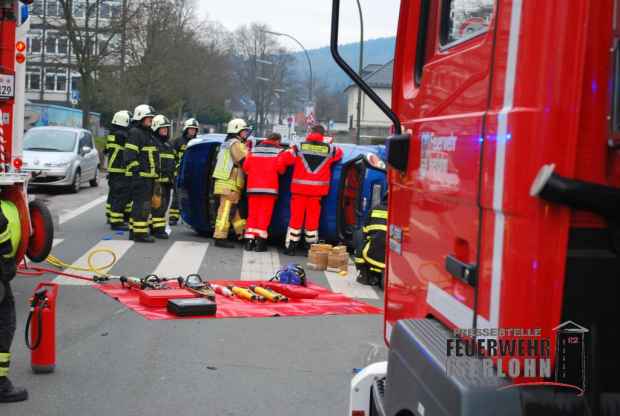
30 220
504 201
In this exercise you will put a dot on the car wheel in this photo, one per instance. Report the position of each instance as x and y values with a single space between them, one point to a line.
77 182
95 181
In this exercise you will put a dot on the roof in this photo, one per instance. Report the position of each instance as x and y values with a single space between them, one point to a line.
381 77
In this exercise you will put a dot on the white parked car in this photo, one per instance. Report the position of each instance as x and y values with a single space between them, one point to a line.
61 157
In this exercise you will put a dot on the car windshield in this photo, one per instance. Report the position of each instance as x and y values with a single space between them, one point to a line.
49 140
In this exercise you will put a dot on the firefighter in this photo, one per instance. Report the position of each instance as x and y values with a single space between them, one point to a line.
312 159
141 156
370 250
190 131
119 194
8 269
263 166
229 182
167 167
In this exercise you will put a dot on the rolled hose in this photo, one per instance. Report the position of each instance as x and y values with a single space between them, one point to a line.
100 270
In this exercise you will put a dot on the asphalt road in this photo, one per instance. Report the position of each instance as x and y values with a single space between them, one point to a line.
112 361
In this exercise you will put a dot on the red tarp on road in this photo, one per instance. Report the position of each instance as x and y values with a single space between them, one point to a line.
326 303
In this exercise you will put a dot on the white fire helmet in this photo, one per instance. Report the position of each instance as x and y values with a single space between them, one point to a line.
122 118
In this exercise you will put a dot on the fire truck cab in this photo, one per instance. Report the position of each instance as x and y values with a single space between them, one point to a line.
504 201
29 220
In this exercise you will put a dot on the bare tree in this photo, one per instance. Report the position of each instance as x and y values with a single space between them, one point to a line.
262 70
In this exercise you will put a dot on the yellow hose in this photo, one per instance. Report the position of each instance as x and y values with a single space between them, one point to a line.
91 268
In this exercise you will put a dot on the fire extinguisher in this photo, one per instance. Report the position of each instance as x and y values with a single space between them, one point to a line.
41 328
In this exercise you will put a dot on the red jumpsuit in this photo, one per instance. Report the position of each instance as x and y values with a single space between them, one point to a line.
263 165
313 160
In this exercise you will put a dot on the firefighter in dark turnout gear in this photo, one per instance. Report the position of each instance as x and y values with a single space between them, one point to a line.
141 157
370 251
119 194
163 184
8 268
190 131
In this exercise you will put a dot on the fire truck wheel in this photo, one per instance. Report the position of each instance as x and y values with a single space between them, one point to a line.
40 243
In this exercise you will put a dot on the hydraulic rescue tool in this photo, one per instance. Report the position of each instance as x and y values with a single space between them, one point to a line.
195 284
269 294
222 290
149 282
245 293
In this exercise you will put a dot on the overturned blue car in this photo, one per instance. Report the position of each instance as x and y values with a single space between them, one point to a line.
358 183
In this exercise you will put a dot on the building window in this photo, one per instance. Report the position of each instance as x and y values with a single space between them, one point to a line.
37 8
75 82
33 80
61 82
115 10
50 44
34 42
52 8
63 46
78 8
104 10
50 82
56 80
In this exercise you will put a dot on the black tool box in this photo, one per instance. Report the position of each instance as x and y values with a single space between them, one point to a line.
192 307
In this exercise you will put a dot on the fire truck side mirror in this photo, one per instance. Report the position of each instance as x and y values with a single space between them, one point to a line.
398 152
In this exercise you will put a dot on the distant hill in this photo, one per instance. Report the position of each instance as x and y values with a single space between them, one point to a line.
376 51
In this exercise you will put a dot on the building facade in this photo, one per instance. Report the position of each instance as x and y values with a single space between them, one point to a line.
374 125
51 75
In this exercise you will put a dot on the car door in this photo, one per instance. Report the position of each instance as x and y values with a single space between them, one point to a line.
88 159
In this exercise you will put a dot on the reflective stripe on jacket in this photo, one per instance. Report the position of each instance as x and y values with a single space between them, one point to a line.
114 150
167 160
141 153
312 162
263 165
227 173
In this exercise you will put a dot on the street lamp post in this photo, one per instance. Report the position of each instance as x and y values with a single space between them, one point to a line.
361 67
310 90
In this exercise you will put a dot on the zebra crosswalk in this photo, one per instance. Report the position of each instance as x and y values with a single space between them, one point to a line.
83 232
182 258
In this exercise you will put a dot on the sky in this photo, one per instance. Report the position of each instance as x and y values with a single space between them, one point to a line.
307 20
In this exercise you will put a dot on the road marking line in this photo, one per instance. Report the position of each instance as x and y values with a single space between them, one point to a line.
182 259
348 285
119 247
79 211
260 266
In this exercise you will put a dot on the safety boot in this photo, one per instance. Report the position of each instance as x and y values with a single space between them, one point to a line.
249 244
119 227
161 235
261 245
9 393
143 238
291 248
223 243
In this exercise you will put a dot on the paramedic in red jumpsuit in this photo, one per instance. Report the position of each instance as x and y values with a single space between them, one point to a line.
263 165
313 160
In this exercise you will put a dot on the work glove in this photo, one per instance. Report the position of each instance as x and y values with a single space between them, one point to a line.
8 269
